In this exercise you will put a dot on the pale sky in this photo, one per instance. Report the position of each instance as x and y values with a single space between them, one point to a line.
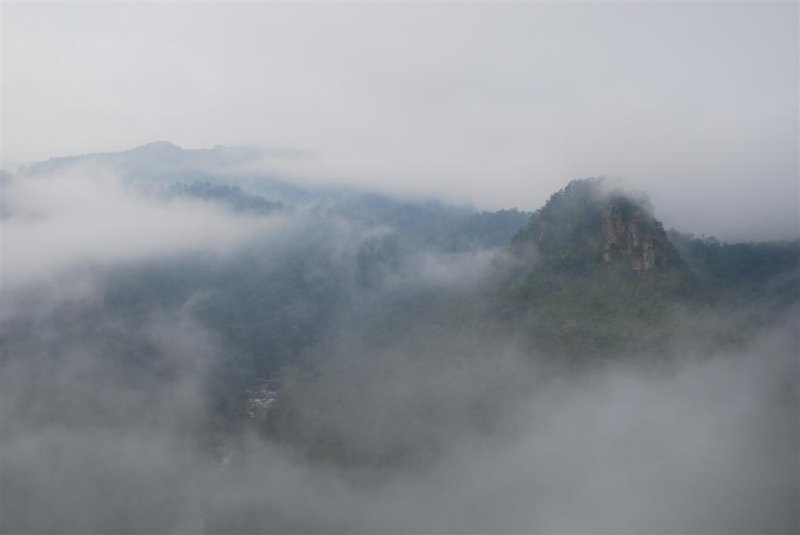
494 104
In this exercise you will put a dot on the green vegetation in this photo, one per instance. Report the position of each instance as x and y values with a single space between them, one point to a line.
603 277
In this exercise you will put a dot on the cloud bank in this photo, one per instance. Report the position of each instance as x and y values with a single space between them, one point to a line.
498 105
123 412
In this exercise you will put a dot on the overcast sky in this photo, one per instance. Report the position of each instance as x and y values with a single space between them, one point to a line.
495 104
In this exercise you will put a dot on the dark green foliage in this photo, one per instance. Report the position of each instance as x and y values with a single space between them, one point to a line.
596 314
587 223
568 229
334 286
232 196
490 229
591 288
433 225
746 270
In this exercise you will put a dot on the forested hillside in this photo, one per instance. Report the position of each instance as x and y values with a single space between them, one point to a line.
222 356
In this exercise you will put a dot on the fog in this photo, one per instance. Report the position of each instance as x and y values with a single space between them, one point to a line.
332 300
705 447
303 371
54 222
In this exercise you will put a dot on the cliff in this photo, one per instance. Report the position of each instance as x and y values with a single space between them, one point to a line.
587 224
598 274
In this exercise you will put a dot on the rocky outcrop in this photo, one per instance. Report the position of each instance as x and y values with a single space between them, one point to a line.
587 225
628 236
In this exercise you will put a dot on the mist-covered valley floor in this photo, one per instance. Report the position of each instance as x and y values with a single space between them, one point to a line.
189 347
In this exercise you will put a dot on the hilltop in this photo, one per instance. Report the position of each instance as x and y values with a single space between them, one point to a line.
600 275
587 224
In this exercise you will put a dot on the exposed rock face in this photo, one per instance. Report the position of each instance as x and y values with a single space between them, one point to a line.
627 234
586 224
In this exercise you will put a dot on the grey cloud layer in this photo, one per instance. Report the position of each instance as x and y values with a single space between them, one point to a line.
704 447
495 104
86 214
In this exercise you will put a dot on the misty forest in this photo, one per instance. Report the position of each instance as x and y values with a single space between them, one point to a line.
434 267
188 347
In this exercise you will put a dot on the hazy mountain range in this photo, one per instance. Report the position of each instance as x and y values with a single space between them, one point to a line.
191 345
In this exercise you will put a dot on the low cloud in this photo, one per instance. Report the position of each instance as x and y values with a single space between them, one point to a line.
125 410
85 214
707 444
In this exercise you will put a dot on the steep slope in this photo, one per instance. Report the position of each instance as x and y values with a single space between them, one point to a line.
599 274
587 224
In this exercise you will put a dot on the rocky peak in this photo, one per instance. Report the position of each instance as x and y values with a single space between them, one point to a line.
629 236
588 224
